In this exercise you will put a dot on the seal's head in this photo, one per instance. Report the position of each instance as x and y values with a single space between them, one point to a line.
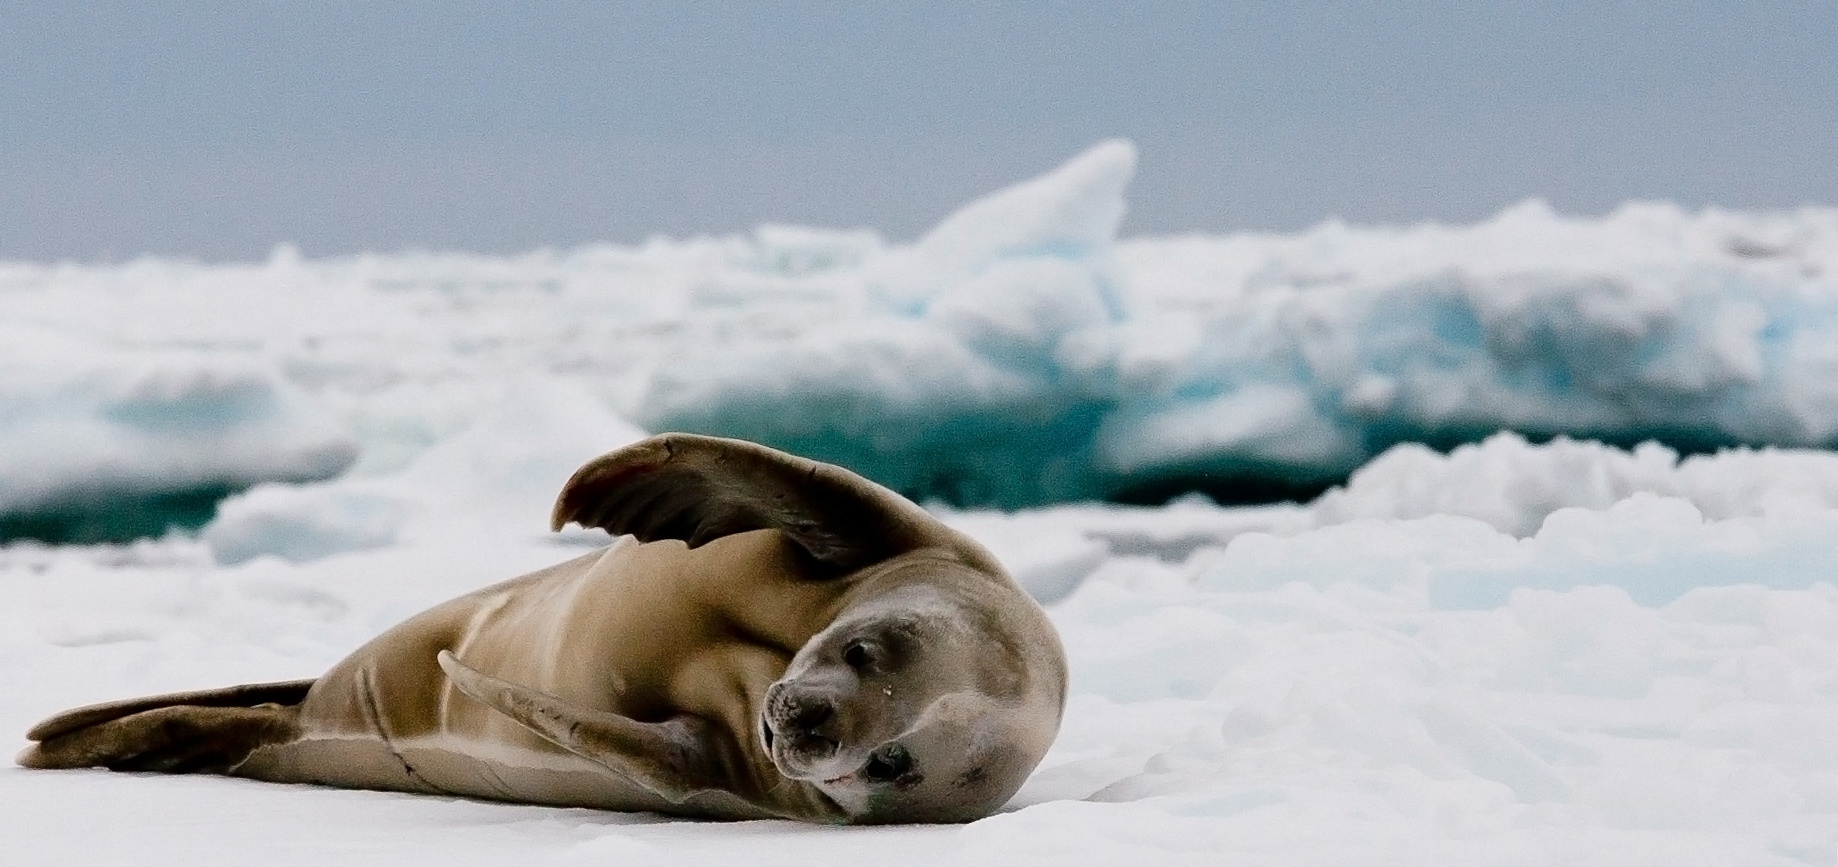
922 704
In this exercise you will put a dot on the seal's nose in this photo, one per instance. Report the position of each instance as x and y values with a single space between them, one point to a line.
799 714
809 714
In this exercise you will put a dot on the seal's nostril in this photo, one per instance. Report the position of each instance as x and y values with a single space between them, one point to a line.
811 713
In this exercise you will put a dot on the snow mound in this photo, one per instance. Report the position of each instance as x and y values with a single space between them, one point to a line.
1022 354
90 423
1467 529
948 375
1513 485
503 470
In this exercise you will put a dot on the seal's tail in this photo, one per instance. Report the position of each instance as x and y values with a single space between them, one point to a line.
189 732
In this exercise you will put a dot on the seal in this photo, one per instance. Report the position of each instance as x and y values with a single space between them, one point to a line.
770 637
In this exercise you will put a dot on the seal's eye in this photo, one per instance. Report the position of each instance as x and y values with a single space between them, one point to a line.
888 763
856 655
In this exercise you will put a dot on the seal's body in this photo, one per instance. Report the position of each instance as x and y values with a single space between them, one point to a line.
646 631
776 638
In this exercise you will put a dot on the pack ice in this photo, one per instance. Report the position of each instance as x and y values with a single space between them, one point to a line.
1524 650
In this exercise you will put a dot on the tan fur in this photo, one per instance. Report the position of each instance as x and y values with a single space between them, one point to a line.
660 657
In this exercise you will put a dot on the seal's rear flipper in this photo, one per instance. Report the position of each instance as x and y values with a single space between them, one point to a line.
179 739
246 695
206 731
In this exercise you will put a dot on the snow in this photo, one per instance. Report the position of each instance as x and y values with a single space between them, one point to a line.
1517 652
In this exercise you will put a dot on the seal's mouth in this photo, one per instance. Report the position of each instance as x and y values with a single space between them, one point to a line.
800 742
799 755
810 747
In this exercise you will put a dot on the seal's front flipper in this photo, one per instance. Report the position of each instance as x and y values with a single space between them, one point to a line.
701 488
176 739
676 759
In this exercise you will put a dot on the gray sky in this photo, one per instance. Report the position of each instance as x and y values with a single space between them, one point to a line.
216 130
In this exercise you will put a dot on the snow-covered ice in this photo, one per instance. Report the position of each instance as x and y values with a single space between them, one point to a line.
1018 354
1513 653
